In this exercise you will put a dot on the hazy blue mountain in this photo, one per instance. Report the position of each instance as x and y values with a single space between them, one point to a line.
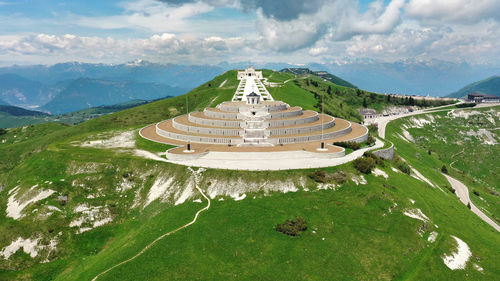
19 111
433 77
436 78
174 75
19 91
86 92
489 86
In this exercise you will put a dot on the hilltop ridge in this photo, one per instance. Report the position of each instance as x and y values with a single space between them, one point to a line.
490 86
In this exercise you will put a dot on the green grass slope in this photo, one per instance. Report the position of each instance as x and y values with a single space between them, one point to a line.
489 86
322 74
467 144
355 232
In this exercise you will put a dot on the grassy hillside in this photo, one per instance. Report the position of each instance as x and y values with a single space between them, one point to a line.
467 144
119 201
489 86
322 74
12 116
310 91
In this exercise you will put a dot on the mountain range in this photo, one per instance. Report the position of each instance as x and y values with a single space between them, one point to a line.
71 86
409 76
87 92
489 86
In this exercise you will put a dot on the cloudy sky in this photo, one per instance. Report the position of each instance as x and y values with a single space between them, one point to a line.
212 31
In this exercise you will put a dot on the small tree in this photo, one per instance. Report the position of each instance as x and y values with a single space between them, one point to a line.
444 169
3 131
468 205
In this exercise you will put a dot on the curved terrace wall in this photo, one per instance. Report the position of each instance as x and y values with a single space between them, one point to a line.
285 140
285 114
213 122
220 115
301 130
198 139
293 122
205 131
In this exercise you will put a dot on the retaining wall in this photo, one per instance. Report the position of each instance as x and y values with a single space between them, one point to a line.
301 130
315 137
221 115
285 114
197 139
206 131
387 153
213 122
293 122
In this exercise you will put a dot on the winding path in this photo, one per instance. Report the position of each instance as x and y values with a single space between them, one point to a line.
461 189
196 175
463 194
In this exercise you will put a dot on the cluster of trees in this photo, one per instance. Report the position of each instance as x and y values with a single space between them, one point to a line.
292 227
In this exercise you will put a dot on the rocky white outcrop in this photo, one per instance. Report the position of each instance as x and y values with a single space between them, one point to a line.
29 245
416 214
17 202
458 258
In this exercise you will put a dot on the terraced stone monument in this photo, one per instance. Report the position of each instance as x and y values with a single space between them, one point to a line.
253 122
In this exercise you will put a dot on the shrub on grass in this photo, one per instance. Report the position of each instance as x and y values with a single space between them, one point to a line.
465 105
444 169
365 164
451 189
378 161
292 227
319 176
348 144
373 128
370 140
475 192
403 167
3 131
339 177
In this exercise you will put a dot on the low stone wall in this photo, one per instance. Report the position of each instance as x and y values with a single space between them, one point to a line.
285 114
361 138
206 131
221 115
236 108
229 108
301 130
188 138
272 108
183 157
293 122
213 122
315 137
387 153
